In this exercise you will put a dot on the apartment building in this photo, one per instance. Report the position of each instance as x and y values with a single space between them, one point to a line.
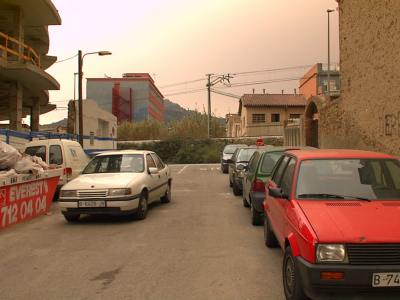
24 44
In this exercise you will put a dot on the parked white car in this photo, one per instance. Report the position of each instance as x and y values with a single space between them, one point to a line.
117 183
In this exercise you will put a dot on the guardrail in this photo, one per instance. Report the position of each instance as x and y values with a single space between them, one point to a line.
13 48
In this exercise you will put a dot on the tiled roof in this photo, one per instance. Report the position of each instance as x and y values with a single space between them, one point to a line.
273 100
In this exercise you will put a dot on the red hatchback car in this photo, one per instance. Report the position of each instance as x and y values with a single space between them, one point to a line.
336 215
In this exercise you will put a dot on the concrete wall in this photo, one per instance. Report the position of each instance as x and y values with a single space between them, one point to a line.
267 128
367 115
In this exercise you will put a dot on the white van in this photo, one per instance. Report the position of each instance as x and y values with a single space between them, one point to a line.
66 153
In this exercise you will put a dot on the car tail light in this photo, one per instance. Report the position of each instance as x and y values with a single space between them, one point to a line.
258 186
68 171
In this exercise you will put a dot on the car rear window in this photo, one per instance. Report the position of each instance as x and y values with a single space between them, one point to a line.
133 163
349 178
245 154
269 161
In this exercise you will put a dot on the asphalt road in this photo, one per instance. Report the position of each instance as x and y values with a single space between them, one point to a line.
199 246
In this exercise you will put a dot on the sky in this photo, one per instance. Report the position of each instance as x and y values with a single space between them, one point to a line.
178 42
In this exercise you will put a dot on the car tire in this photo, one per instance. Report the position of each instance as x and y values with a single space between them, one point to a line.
142 207
236 189
167 196
245 203
256 217
72 218
269 236
291 278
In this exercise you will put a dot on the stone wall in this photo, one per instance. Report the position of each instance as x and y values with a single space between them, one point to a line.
367 115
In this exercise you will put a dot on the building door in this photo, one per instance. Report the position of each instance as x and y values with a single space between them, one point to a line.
311 126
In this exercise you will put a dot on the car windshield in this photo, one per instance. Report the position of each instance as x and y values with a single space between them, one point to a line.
229 149
269 161
364 179
245 154
116 164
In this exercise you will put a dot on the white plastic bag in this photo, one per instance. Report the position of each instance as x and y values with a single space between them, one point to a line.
26 165
8 156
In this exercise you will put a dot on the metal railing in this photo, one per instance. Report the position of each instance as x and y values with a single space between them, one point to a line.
14 50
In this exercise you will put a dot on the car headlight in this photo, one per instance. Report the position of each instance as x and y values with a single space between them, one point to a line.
67 193
119 192
331 253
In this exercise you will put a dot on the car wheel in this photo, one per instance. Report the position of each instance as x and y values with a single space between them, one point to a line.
167 196
224 170
143 206
245 203
291 278
269 236
236 189
71 218
256 217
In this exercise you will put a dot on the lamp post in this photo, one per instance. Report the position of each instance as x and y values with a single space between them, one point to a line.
80 75
329 55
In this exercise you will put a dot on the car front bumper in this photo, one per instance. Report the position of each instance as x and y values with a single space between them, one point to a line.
357 282
115 206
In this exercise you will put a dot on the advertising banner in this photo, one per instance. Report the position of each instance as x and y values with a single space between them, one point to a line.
24 201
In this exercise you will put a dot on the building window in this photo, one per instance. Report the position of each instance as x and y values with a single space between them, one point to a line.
258 118
275 118
294 116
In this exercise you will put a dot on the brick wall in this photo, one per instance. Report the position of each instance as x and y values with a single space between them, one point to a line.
367 115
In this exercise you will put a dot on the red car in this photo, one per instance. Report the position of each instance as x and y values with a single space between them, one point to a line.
336 215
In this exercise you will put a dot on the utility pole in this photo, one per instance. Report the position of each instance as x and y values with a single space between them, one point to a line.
209 105
329 55
225 79
80 75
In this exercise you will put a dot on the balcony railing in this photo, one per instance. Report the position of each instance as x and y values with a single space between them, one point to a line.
14 50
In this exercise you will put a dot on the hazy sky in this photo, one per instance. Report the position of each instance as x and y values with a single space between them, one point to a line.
182 40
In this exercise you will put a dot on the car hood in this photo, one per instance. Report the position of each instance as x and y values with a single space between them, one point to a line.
353 221
101 181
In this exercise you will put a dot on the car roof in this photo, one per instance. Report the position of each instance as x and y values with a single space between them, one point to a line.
119 152
338 153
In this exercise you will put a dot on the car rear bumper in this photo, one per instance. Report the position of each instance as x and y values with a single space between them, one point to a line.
114 206
357 282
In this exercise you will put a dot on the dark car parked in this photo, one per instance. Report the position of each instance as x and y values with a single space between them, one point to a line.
227 155
258 173
237 164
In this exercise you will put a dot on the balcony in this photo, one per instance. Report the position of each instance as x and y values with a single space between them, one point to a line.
20 62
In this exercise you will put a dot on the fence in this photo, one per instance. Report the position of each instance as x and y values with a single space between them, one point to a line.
19 139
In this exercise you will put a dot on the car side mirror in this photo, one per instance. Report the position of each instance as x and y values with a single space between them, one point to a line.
153 170
277 193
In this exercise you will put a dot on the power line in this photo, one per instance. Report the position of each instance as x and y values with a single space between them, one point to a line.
69 58
181 83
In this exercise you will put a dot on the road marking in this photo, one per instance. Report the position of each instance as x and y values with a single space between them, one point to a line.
181 170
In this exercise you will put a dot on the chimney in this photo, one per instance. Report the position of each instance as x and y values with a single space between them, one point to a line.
254 90
282 92
263 91
295 91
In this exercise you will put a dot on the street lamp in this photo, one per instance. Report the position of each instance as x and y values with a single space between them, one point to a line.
329 55
80 75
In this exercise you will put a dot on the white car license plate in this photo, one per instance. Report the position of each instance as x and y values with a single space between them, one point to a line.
385 279
89 203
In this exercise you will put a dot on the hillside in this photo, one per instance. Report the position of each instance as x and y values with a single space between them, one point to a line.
173 112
